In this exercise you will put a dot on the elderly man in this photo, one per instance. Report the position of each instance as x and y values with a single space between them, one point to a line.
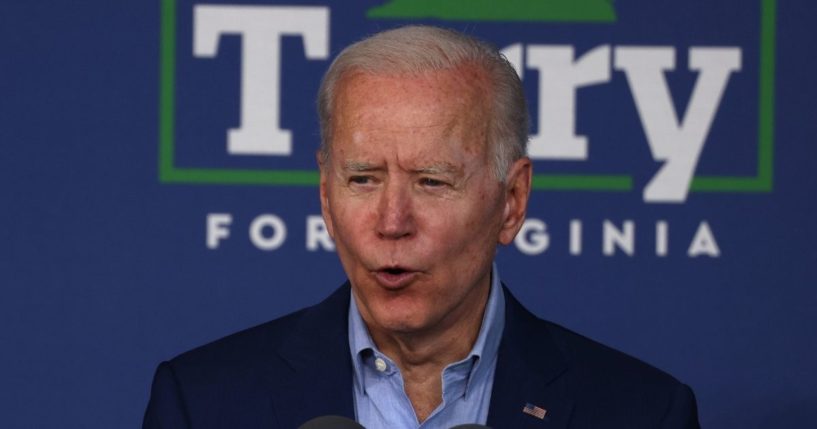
423 174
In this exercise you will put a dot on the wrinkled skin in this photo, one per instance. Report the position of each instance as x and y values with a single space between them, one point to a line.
410 197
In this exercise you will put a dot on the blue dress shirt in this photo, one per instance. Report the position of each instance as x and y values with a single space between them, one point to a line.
379 395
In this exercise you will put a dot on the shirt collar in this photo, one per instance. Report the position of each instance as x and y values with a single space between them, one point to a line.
483 353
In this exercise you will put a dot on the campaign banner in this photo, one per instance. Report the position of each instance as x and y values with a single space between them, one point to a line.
161 187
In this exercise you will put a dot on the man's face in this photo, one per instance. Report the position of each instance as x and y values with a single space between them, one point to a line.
410 196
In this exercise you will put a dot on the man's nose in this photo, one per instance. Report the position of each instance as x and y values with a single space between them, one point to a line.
395 212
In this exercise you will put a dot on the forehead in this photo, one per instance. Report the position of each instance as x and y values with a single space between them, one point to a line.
463 83
440 104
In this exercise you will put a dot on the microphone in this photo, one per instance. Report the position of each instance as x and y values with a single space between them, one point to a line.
331 422
338 422
471 426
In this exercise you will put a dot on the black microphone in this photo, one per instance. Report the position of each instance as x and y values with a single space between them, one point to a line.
471 426
338 422
331 422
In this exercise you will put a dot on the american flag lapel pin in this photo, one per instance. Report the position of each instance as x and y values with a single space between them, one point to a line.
533 410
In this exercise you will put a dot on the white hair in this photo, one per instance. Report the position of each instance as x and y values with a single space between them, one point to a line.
420 49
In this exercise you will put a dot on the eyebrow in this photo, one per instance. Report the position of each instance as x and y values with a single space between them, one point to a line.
363 166
442 168
360 166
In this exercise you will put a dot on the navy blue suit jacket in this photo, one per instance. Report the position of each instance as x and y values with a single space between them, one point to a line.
285 372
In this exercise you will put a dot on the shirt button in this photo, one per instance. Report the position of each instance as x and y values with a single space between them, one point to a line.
380 364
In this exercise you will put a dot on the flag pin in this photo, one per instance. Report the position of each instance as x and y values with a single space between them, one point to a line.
533 410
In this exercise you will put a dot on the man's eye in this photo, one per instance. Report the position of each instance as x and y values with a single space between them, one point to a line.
427 181
359 180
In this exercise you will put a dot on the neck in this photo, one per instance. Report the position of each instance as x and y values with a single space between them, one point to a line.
449 341
422 356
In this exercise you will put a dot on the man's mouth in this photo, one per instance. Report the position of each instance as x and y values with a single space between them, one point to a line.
394 277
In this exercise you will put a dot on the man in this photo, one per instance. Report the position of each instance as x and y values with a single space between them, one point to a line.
423 173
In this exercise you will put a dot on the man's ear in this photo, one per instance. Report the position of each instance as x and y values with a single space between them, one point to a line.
325 168
517 193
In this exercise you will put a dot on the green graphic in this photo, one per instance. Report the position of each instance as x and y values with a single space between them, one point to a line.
492 10
765 148
762 182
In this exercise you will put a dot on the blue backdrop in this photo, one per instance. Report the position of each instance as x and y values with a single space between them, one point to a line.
127 219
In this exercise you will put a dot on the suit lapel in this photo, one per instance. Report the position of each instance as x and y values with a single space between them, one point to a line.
319 381
319 377
528 371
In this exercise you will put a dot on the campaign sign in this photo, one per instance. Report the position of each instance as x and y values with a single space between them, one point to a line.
621 101
161 187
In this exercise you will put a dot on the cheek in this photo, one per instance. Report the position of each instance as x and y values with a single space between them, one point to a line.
353 222
454 231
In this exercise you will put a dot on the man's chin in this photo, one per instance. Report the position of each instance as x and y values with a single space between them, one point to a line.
394 324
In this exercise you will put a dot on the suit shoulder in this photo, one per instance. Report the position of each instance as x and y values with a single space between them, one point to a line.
620 387
263 347
585 357
240 349
593 356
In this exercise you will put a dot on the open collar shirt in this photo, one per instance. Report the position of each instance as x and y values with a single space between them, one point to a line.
379 396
